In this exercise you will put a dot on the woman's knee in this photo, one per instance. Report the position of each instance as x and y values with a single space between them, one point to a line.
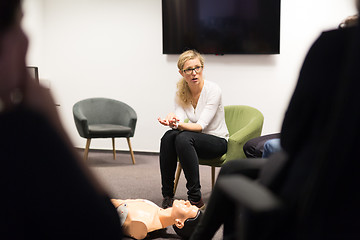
183 138
169 135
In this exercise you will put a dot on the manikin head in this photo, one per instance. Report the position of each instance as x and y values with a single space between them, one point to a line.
181 211
188 216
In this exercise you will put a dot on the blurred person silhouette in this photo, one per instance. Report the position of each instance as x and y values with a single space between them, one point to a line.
264 146
46 190
318 183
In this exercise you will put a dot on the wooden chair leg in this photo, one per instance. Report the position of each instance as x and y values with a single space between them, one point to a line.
177 176
114 151
131 151
212 177
86 152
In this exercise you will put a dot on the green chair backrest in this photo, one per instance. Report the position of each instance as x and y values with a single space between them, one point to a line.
238 116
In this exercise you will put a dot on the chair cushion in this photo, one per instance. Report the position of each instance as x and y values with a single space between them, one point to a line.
108 130
215 162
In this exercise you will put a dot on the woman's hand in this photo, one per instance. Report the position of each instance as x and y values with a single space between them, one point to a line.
173 123
163 121
170 120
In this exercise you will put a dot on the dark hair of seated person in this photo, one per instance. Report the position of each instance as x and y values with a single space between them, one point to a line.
189 226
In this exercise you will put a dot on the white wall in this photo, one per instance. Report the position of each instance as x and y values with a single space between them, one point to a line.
113 48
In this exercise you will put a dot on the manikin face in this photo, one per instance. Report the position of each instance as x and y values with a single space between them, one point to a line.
192 72
182 210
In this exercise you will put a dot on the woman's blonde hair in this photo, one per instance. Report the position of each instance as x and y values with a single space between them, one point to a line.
183 94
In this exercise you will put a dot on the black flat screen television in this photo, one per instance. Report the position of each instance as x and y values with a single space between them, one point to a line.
221 26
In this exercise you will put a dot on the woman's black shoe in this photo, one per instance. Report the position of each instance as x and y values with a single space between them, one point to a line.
167 202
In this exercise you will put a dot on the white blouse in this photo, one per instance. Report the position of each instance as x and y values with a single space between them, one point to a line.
209 112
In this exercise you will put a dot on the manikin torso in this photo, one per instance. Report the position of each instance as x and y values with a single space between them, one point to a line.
145 219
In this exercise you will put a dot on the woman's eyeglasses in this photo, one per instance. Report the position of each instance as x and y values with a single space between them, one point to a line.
190 70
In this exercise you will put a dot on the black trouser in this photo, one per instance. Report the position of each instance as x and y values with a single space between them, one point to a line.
188 147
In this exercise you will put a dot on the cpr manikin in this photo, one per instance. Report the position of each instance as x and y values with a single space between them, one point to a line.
139 217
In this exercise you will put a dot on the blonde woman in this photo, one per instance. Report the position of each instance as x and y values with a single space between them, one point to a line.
204 135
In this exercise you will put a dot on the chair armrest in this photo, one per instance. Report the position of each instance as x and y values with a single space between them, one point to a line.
238 139
132 125
81 123
260 210
249 194
126 116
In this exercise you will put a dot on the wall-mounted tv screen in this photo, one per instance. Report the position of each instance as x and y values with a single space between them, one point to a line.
221 26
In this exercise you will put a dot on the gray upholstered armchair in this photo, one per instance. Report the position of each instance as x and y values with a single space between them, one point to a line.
104 118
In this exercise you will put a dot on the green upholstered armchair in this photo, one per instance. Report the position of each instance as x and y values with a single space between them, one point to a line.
104 118
243 123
